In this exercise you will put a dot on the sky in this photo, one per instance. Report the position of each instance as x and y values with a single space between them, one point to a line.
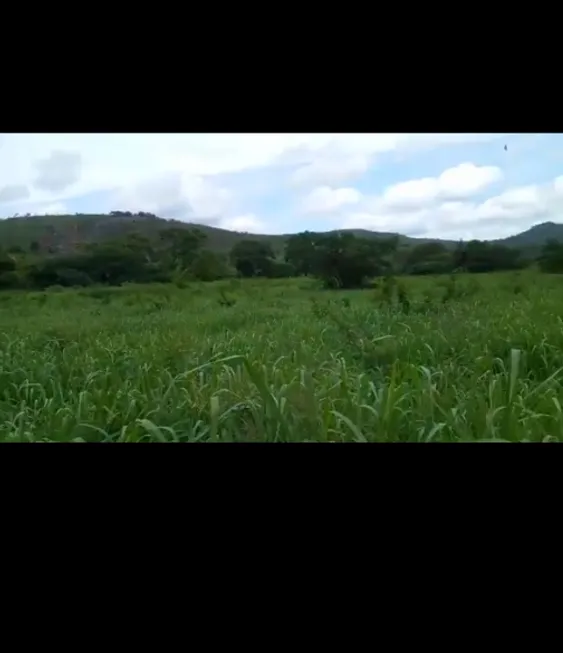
425 185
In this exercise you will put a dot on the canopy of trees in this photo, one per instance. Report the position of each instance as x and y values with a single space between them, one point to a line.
428 258
252 258
337 259
340 260
176 253
551 257
481 256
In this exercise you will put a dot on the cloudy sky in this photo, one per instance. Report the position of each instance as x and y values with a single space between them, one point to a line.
439 185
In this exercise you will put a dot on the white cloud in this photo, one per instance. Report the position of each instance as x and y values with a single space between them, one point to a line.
412 204
348 156
56 208
13 193
58 171
245 223
462 181
116 161
467 179
177 195
325 200
558 184
184 176
331 170
430 215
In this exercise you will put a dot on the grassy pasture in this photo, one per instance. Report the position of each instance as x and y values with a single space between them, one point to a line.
283 361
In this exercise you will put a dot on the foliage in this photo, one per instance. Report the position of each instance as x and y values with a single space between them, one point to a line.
345 260
434 354
481 256
9 281
209 266
252 258
8 275
340 260
146 249
182 245
63 234
7 263
132 258
300 252
428 258
551 257
210 363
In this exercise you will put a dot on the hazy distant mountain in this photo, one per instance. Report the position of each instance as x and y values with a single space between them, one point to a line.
62 233
535 236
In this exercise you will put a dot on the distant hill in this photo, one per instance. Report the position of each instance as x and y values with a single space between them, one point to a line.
535 236
63 233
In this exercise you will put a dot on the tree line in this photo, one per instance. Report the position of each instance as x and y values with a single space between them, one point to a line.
339 260
344 260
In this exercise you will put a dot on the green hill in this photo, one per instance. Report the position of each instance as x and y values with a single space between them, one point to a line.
63 233
535 236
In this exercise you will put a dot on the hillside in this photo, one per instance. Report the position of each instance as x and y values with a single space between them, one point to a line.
535 236
63 233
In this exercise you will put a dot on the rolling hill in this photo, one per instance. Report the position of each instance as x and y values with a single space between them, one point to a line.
535 236
63 233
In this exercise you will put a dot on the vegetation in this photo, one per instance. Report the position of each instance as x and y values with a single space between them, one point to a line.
422 359
169 252
65 233
551 257
164 337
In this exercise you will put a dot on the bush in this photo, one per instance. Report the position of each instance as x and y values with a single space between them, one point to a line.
10 281
281 270
68 277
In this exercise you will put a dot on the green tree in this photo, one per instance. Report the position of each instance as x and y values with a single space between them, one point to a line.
8 275
209 266
428 258
110 263
300 252
480 256
343 260
281 270
7 263
551 257
182 244
9 281
252 258
139 244
505 258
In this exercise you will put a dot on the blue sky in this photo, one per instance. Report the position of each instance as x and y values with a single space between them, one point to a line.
439 185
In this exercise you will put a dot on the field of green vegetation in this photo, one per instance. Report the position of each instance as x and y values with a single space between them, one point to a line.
426 359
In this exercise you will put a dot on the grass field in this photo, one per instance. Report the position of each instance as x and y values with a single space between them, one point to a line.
282 361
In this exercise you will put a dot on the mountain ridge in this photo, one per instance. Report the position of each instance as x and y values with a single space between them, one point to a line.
63 233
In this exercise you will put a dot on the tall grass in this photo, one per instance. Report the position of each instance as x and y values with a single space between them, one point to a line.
423 360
